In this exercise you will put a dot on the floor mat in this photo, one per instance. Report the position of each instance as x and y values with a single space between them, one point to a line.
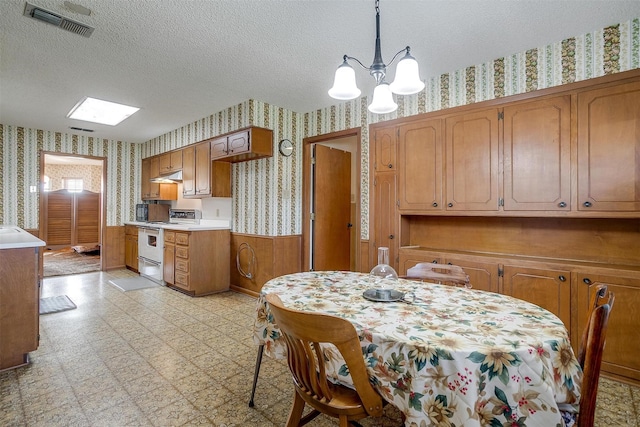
132 283
56 304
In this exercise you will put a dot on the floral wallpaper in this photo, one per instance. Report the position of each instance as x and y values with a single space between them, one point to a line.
267 193
91 176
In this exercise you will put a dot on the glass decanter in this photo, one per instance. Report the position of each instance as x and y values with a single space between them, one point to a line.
383 270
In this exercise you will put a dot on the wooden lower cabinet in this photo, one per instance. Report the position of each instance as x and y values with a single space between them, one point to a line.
197 262
621 352
548 288
19 306
131 247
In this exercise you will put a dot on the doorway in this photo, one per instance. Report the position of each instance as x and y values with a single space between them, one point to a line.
324 192
71 213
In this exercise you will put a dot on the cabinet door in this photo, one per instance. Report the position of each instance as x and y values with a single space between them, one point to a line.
549 288
189 171
483 276
420 169
176 160
608 147
238 143
219 147
409 259
165 163
154 172
537 164
623 347
386 226
203 169
145 176
385 146
472 161
168 263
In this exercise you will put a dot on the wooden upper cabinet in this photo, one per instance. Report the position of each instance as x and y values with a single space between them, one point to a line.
145 176
386 143
170 162
203 168
243 145
420 176
608 149
537 155
472 161
154 172
189 171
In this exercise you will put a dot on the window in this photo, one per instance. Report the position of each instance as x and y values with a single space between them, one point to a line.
73 185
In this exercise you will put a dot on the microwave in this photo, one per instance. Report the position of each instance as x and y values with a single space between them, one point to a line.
146 212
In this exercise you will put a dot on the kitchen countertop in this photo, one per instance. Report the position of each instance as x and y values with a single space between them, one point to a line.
203 226
13 237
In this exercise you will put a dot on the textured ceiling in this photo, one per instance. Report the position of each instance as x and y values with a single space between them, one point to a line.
181 60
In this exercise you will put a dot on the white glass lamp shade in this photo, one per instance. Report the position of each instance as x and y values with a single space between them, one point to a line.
407 81
382 102
344 84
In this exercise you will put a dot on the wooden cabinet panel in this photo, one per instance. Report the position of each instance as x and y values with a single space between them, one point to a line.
472 161
483 275
537 163
238 143
386 219
154 172
420 157
243 145
218 147
385 149
203 169
131 247
189 171
548 288
168 263
608 147
409 258
622 346
170 162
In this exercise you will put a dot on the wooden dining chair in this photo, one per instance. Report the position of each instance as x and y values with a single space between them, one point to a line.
590 355
303 332
445 274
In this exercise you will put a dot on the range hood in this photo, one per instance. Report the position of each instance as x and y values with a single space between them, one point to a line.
169 178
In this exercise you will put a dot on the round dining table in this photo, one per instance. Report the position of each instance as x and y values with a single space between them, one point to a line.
443 355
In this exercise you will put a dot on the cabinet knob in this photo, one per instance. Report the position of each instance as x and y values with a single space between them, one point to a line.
434 204
562 205
587 204
587 280
390 165
391 236
435 261
450 205
562 278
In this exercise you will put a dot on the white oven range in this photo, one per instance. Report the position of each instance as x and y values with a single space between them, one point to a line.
151 252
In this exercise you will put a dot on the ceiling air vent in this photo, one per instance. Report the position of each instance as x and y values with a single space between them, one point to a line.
44 15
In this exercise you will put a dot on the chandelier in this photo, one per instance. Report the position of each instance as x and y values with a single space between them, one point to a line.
407 80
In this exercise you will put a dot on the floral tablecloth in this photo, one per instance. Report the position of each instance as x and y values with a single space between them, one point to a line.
445 356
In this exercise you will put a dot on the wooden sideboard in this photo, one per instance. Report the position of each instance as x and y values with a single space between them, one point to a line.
535 195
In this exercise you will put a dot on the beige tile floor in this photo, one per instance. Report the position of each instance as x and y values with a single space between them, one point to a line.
156 357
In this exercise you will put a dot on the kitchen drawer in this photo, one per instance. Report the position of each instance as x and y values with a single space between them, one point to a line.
182 279
182 239
182 252
182 265
169 236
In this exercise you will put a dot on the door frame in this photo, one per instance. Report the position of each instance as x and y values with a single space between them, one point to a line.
41 214
307 143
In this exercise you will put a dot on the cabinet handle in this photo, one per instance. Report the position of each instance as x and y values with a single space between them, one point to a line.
450 205
562 278
449 263
391 236
587 204
562 205
587 280
435 261
390 165
434 204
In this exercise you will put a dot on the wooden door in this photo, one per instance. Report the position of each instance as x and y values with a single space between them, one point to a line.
472 161
189 171
608 147
219 147
483 275
59 213
549 289
623 346
420 173
238 142
385 146
537 163
87 217
203 168
331 206
385 224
